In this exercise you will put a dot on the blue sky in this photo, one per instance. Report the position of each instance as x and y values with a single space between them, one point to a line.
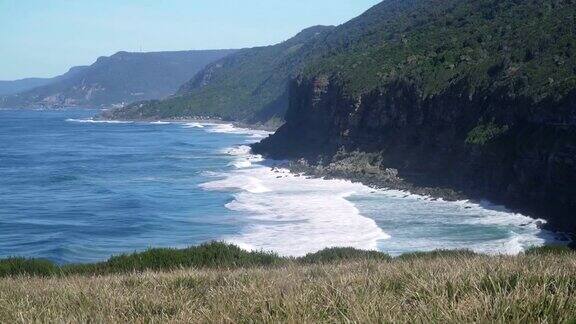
42 38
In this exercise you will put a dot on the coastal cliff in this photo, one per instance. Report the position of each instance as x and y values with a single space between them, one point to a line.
486 145
446 98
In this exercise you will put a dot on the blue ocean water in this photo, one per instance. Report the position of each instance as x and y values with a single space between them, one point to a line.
76 190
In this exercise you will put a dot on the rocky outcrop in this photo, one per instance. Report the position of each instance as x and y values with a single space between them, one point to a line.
483 144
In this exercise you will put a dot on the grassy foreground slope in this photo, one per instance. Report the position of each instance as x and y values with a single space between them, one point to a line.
332 285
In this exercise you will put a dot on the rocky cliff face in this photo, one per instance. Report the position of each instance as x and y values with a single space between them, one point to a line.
492 145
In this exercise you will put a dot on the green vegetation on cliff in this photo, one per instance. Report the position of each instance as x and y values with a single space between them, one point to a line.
526 47
484 133
226 284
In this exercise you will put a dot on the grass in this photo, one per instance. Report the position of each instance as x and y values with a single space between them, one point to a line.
226 284
209 255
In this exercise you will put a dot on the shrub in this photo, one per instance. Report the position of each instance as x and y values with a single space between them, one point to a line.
342 254
483 134
550 249
438 254
216 255
211 255
21 266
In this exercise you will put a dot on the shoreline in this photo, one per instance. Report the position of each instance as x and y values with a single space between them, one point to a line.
389 180
365 174
384 180
197 119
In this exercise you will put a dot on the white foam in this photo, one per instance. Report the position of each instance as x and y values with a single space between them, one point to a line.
241 164
93 121
194 125
243 158
292 215
424 224
160 123
238 182
224 128
483 212
254 134
241 150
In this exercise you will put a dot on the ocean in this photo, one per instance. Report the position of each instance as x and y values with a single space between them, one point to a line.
75 190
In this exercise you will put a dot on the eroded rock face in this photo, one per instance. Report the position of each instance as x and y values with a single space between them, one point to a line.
488 144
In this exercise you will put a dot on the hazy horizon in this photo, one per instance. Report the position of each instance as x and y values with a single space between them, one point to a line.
45 38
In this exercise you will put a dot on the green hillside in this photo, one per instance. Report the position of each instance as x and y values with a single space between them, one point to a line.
119 79
250 85
528 47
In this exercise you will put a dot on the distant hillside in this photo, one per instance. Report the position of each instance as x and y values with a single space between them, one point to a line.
23 85
250 85
119 79
12 87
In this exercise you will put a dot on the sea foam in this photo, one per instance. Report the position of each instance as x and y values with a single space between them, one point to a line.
94 121
292 215
422 224
194 125
254 134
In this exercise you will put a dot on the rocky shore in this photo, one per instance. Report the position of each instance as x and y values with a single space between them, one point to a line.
366 168
361 167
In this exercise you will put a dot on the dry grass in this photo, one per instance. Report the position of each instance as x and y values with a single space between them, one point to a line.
444 288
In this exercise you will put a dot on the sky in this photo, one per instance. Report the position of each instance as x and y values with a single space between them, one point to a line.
44 38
